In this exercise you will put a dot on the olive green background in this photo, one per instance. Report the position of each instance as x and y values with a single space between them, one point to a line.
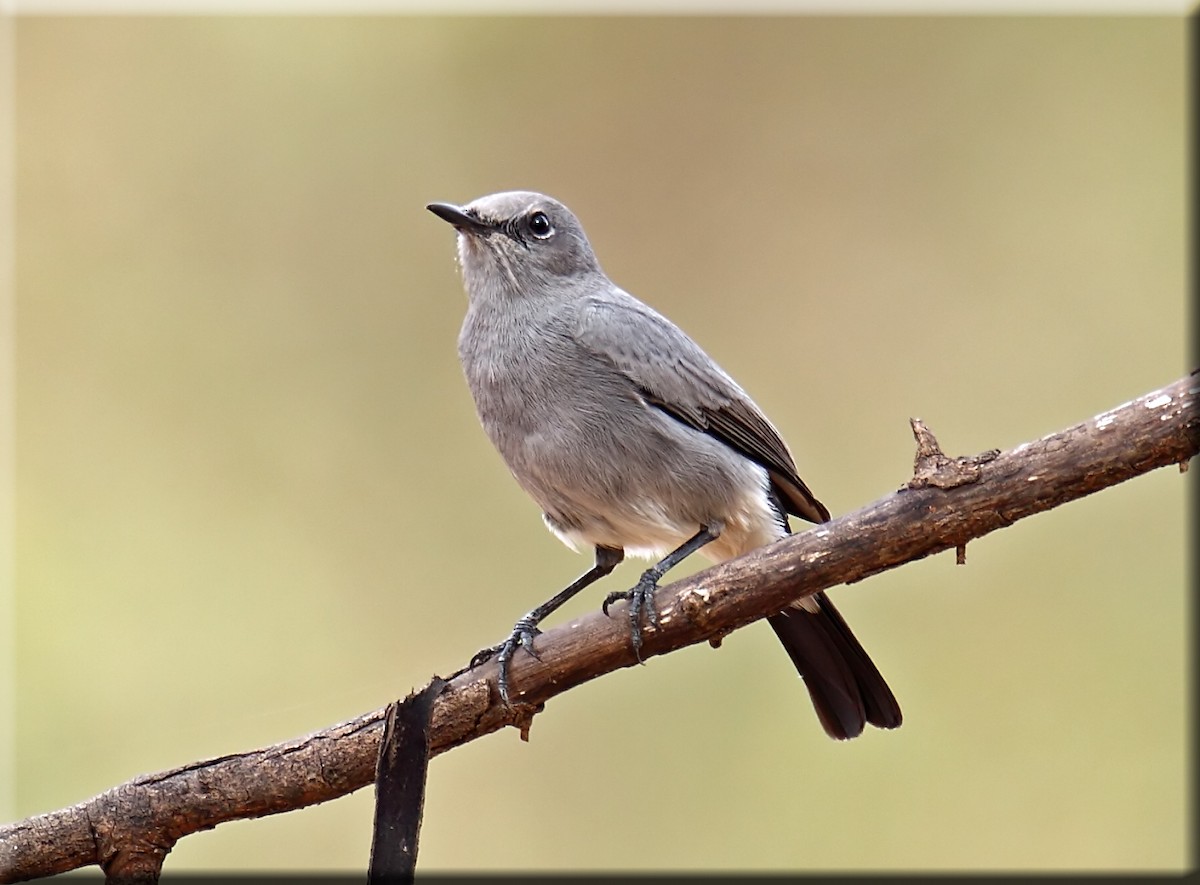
253 499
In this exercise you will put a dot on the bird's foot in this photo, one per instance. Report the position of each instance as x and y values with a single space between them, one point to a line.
522 635
641 599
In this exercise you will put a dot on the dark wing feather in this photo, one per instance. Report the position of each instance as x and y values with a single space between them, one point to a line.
741 426
676 376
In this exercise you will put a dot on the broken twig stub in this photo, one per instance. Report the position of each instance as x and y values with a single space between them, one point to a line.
932 467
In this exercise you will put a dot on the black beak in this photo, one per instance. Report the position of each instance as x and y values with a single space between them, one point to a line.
456 216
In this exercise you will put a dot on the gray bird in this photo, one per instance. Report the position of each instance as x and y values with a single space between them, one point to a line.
631 439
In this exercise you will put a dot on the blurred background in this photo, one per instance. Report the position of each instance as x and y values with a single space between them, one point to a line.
253 498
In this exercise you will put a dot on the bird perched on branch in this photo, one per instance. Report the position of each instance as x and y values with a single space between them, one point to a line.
632 439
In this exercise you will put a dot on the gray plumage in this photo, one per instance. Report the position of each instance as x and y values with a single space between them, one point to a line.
629 436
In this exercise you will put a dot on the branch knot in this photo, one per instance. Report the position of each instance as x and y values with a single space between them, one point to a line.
932 467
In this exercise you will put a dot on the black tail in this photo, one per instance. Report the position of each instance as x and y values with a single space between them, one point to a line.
846 688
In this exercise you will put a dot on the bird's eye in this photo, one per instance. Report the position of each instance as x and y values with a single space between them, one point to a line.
540 226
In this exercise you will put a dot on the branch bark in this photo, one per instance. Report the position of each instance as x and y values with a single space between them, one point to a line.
128 830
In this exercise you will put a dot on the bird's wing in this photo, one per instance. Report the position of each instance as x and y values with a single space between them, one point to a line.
673 374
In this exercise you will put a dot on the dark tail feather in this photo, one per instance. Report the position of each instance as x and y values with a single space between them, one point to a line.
846 688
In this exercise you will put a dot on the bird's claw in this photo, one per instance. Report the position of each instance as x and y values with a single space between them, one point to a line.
641 599
523 634
484 655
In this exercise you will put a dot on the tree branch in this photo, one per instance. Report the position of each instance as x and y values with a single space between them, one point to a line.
129 829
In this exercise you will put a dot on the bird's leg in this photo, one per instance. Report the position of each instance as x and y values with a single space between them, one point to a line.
641 597
526 628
